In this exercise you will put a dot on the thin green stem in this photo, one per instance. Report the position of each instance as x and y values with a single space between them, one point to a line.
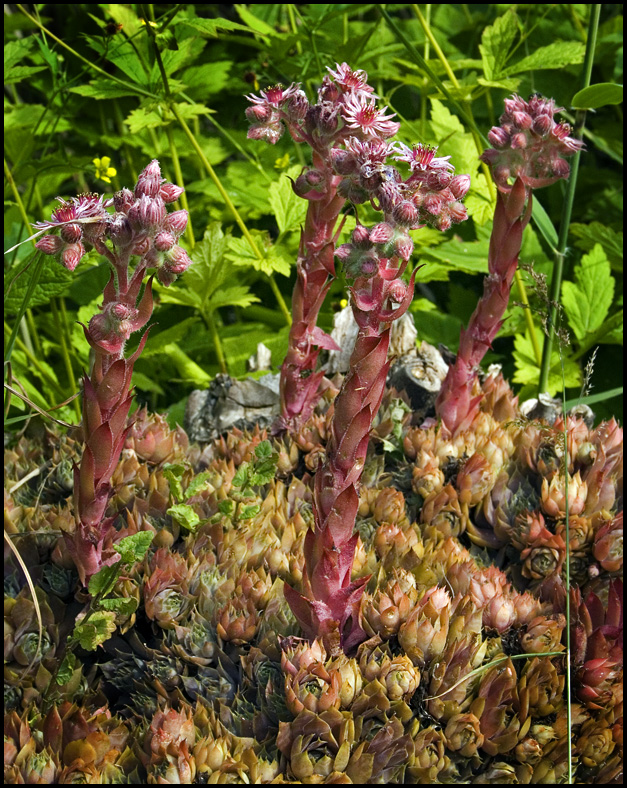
92 66
18 200
66 339
229 204
178 173
560 252
65 353
213 330
32 328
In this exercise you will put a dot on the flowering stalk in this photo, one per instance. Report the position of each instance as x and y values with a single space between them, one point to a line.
375 261
345 109
528 146
140 227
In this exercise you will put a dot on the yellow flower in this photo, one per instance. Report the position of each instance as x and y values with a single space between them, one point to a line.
343 303
103 171
282 163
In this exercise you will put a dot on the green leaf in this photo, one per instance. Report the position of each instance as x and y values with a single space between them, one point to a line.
175 333
528 372
443 123
174 473
241 477
186 367
478 202
185 516
254 23
133 548
227 507
544 223
289 209
123 606
210 27
16 51
104 580
209 270
145 382
468 256
496 42
556 55
53 279
99 627
239 295
597 233
275 259
264 450
246 512
18 73
208 79
103 88
199 483
599 95
144 118
66 668
587 303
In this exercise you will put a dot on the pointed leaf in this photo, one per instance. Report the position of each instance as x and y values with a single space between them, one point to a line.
101 445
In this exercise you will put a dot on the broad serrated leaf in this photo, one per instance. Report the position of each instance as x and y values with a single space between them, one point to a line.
597 233
468 256
134 547
18 73
208 271
496 43
99 627
242 475
232 296
199 483
587 303
16 51
264 450
53 280
143 118
173 334
185 516
510 84
600 95
478 202
123 606
275 258
443 123
528 371
556 55
289 209
207 79
103 88
104 580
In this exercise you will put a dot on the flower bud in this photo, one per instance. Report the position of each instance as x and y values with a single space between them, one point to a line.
120 230
49 244
382 233
178 260
149 180
176 222
147 213
164 241
92 231
405 213
361 235
269 132
72 255
433 204
71 233
397 291
543 124
458 212
438 179
170 192
123 200
342 161
497 137
258 113
518 141
561 168
459 186
403 247
523 120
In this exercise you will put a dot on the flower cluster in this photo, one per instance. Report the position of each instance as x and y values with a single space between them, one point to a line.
530 144
140 227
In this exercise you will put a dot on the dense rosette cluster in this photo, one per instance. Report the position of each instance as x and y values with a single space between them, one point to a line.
461 677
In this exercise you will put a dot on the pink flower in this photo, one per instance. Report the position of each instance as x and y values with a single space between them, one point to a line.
349 80
422 158
360 113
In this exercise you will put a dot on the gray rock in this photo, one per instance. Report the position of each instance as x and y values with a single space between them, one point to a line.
420 375
229 403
